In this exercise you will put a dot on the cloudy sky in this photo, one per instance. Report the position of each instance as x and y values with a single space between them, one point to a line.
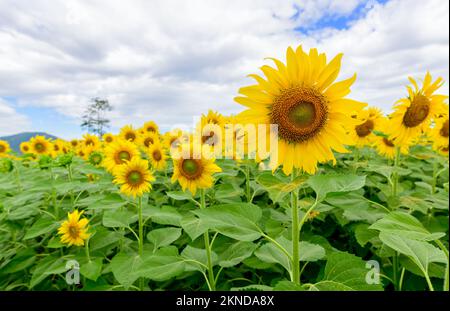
169 61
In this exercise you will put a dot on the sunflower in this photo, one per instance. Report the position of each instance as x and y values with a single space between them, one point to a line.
385 147
134 177
73 231
119 152
74 143
4 147
443 150
440 132
128 133
146 139
40 145
309 109
212 117
95 158
237 143
24 147
368 121
413 114
172 140
58 146
193 171
157 156
150 127
108 138
90 141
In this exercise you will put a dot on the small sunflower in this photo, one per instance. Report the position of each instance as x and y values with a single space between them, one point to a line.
24 147
40 145
4 147
172 140
368 121
118 153
193 171
96 158
309 108
443 150
74 143
128 133
439 134
73 231
134 177
108 138
212 117
413 114
150 127
58 147
157 156
146 139
90 141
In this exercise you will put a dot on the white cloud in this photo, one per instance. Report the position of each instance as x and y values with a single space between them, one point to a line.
11 122
172 60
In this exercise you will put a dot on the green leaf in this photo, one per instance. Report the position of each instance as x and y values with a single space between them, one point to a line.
179 195
329 286
120 218
103 238
165 215
288 286
161 267
236 253
325 184
363 234
420 252
163 236
22 260
50 265
399 223
348 270
124 267
92 269
237 220
193 226
197 259
40 227
278 187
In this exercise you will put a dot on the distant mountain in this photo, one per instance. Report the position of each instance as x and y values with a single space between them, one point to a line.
15 140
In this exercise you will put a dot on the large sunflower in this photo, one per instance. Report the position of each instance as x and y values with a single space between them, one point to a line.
118 153
134 177
413 114
73 231
128 133
193 171
309 109
368 121
157 156
4 147
40 145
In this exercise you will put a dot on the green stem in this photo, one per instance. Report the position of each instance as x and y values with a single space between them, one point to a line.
69 171
141 238
247 184
402 275
19 184
446 276
295 275
430 285
212 283
395 174
434 181
395 270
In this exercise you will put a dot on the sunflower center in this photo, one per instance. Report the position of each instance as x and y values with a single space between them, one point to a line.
388 142
74 143
2 148
364 129
89 142
39 147
24 148
300 113
157 155
148 141
56 147
444 130
130 136
74 232
134 177
151 129
96 159
124 156
191 168
445 149
210 138
108 139
417 112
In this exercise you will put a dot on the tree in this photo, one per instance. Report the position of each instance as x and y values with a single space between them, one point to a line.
94 119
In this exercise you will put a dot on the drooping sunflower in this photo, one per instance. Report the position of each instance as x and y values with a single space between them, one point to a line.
24 147
128 133
134 177
40 145
150 127
413 114
385 145
73 231
108 138
4 147
146 139
439 134
193 171
157 156
118 153
308 107
90 141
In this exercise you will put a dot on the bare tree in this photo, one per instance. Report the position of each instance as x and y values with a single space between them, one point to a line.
94 119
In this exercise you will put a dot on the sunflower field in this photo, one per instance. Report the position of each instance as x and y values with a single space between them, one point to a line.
345 198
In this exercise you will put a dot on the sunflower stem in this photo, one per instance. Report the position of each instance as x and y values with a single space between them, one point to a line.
295 273
86 248
395 194
141 238
247 183
435 175
212 283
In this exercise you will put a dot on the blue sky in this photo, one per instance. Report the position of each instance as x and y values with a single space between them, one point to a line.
170 62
